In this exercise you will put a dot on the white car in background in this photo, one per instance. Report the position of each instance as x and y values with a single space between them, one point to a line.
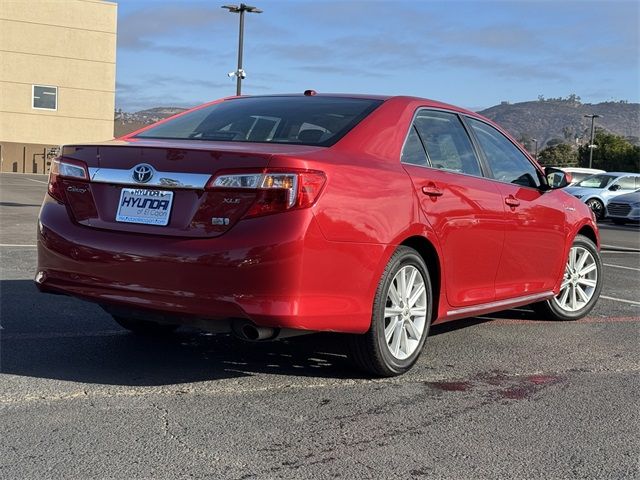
577 174
596 190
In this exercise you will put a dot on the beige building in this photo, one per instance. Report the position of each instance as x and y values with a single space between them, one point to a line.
57 78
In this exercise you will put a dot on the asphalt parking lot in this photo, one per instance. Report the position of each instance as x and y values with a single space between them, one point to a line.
506 396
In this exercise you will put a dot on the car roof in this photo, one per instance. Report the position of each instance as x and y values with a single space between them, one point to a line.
426 102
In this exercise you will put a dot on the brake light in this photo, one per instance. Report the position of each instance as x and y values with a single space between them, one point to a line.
65 169
275 191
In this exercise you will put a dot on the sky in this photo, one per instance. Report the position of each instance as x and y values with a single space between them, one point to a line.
469 53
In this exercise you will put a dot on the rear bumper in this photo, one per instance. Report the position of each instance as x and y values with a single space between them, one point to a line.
277 271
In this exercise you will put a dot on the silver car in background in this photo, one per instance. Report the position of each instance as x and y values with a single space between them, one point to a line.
624 208
597 190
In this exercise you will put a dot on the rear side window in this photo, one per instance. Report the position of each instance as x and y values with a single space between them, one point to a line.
413 151
447 143
506 161
300 120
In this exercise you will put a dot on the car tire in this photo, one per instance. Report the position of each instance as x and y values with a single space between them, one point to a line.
394 341
597 207
582 278
145 327
618 221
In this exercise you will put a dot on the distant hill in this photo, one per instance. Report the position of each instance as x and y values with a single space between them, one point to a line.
548 120
563 121
159 112
129 122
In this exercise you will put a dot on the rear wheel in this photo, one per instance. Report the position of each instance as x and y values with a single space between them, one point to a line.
400 320
597 207
145 327
581 284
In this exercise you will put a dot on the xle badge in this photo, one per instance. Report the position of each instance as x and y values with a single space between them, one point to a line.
219 221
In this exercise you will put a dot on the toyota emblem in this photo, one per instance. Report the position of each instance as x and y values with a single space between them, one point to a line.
142 173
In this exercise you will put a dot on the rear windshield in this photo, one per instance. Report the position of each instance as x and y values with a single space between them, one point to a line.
596 181
298 120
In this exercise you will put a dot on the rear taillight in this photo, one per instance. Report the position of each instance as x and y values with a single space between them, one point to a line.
60 169
275 191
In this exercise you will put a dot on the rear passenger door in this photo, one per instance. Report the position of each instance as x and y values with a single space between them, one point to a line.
533 252
464 208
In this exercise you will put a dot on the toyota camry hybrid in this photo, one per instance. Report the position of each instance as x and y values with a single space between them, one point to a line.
273 216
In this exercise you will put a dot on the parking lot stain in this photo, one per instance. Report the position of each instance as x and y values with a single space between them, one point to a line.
528 386
510 387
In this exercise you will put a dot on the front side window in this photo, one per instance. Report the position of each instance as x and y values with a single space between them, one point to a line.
627 183
45 97
506 161
315 120
447 143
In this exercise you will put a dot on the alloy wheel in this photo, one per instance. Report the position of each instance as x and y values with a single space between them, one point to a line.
579 281
596 206
405 312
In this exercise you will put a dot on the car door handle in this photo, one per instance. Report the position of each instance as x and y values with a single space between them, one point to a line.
431 190
512 201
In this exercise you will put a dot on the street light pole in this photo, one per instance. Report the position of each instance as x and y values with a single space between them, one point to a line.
536 154
591 145
241 9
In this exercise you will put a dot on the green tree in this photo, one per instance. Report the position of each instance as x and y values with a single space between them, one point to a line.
613 153
561 155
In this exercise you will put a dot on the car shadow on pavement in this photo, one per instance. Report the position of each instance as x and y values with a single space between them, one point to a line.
58 337
61 338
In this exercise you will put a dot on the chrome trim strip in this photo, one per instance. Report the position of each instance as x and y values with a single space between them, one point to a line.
159 179
501 303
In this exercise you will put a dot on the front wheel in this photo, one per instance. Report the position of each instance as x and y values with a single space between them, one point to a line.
581 283
596 207
400 320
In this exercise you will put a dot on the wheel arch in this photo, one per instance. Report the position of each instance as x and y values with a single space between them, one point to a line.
589 232
429 254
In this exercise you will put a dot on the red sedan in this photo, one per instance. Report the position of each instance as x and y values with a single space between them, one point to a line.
278 215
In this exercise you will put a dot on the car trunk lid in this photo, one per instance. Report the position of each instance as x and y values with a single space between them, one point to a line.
160 188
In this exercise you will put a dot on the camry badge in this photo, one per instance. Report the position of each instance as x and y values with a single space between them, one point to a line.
142 173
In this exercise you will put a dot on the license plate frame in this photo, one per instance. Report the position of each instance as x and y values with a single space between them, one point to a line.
144 206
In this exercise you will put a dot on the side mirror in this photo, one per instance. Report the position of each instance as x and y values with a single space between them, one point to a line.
556 178
614 188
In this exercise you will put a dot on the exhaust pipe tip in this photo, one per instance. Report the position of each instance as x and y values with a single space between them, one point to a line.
247 330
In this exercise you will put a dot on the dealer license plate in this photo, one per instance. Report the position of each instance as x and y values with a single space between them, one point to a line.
149 207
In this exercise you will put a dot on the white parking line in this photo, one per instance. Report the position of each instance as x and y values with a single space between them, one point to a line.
21 185
619 249
632 302
52 335
15 245
620 266
32 180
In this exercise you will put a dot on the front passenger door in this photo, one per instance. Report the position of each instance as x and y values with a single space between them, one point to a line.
620 186
532 258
